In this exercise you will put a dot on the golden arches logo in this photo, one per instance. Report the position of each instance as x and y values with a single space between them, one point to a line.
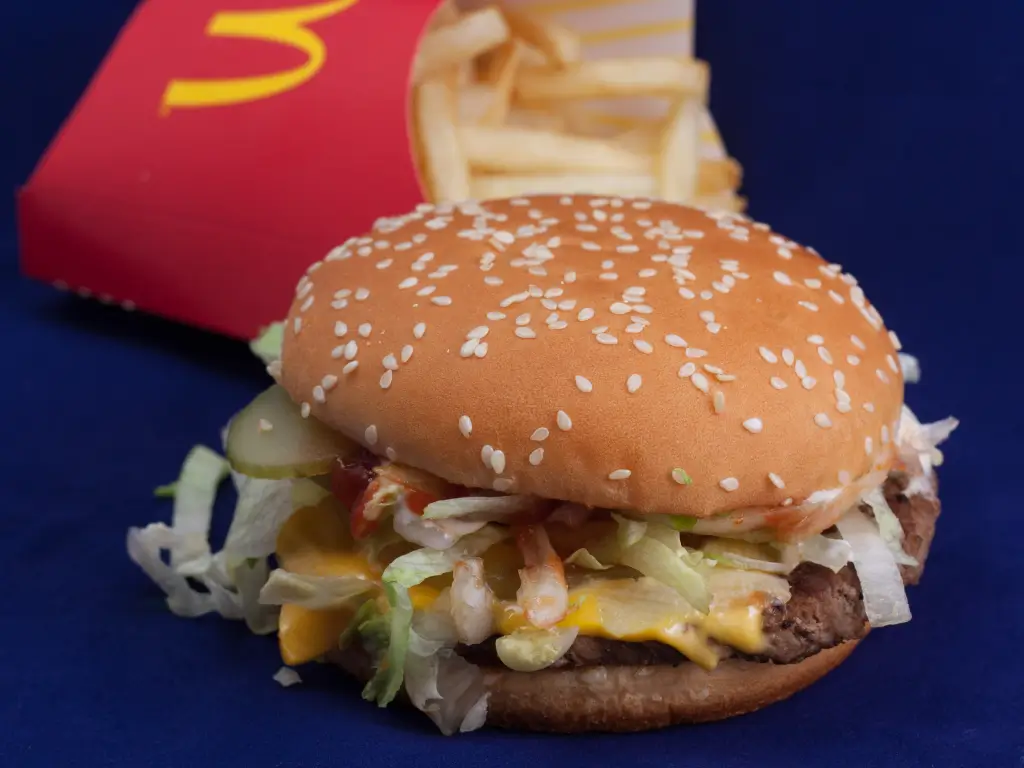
285 27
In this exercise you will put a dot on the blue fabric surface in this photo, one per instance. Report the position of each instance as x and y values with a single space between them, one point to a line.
885 134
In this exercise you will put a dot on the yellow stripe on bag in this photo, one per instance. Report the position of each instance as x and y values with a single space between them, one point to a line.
639 30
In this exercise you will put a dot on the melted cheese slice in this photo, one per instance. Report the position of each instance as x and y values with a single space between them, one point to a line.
315 541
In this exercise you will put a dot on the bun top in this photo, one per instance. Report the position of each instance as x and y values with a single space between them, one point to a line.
622 353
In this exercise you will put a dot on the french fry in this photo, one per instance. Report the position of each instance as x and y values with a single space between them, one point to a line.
648 76
445 167
505 66
446 13
536 118
474 100
458 42
490 187
560 46
526 150
678 152
717 176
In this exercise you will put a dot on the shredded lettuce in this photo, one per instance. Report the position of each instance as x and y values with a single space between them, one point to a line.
267 345
744 555
531 650
885 599
287 677
910 367
166 491
314 592
656 560
629 531
584 559
405 572
888 526
833 554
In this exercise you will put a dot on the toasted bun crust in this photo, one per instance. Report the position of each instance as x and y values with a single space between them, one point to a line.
664 336
635 698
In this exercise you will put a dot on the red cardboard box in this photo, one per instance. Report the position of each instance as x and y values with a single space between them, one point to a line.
213 156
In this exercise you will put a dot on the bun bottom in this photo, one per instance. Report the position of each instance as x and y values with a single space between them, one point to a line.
634 698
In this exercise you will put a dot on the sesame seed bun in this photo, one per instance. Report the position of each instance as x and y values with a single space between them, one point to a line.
588 349
633 698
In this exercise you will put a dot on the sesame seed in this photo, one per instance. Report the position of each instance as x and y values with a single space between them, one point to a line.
754 425
536 456
481 350
853 360
502 484
619 474
633 383
729 483
583 384
297 325
686 293
714 327
441 301
696 352
608 276
718 401
808 305
618 308
498 462
362 294
768 355
351 349
349 367
822 420
469 347
785 253
885 435
881 375
800 369
496 315
680 477
493 280
606 338
808 382
419 329
895 340
843 406
840 380
563 421
836 297
868 445
524 332
318 394
776 480
365 329
370 435
570 277
825 355
406 353
869 407
643 346
648 272
585 314
329 382
385 380
700 381
305 305
782 278
778 383
485 455
816 339
304 410
675 341
687 370
408 282
892 363
858 343
540 434
338 351
390 362
812 282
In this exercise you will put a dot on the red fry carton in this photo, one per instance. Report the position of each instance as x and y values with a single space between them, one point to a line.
224 145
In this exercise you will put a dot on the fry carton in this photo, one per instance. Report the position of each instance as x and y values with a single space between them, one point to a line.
224 145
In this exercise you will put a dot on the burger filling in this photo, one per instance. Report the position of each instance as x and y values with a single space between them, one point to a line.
438 582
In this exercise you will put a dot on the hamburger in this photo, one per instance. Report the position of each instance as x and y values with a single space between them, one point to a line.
567 463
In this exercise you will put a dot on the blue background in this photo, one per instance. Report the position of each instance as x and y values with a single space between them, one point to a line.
888 135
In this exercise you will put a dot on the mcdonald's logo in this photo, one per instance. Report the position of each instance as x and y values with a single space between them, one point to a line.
286 26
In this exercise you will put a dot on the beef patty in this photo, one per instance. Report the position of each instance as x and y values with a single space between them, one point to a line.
824 610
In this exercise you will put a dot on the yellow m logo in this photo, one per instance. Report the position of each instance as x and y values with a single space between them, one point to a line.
286 27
